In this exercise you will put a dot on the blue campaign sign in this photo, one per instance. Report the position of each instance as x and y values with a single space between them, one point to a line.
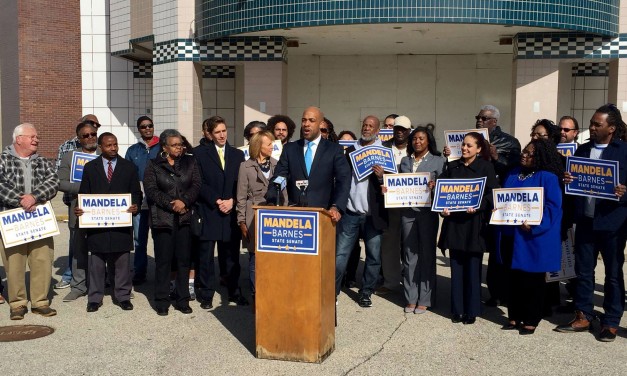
79 160
458 194
567 149
592 177
386 134
287 231
363 159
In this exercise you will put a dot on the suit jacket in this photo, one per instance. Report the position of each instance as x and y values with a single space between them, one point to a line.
124 180
218 183
431 163
329 181
608 215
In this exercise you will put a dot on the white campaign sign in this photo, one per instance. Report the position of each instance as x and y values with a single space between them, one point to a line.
20 227
277 149
454 139
407 190
568 260
106 210
513 206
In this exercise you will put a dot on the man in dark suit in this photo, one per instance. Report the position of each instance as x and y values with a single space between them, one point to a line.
315 169
110 174
219 165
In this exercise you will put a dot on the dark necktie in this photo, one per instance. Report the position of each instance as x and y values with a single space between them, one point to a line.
110 172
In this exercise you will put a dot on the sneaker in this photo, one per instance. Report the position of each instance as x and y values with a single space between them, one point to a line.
192 293
73 295
45 311
364 300
62 285
607 334
18 313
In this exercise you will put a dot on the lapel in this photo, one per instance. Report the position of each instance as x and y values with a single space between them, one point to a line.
260 176
320 150
101 172
213 155
301 156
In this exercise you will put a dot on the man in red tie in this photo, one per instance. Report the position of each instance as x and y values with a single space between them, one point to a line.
110 174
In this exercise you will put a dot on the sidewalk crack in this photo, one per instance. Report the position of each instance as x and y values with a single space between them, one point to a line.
380 348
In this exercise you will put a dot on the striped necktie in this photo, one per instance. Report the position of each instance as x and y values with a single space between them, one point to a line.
110 172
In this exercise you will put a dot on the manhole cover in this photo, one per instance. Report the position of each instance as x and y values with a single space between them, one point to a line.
23 332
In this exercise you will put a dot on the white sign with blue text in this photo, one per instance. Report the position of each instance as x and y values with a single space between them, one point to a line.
19 227
408 190
454 139
277 149
515 206
287 231
105 210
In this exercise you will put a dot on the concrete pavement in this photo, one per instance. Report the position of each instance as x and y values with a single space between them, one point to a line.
380 340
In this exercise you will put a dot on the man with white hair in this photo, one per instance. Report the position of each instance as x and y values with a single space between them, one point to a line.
27 180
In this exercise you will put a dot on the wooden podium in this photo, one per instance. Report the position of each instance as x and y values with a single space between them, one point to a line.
295 288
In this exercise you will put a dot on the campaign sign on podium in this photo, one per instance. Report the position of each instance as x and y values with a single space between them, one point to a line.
19 227
287 232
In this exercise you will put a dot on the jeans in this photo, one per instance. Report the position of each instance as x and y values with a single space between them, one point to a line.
347 233
587 247
140 236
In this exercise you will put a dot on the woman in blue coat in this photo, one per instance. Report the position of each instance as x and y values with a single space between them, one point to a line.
533 249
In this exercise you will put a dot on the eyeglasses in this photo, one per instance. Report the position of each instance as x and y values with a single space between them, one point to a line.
483 118
176 146
34 137
88 135
149 126
567 129
540 135
324 130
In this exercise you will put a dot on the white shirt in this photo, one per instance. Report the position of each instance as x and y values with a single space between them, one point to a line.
314 147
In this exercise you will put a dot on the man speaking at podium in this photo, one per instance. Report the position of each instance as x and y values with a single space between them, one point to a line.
315 170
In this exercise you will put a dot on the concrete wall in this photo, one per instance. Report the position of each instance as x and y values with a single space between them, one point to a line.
446 90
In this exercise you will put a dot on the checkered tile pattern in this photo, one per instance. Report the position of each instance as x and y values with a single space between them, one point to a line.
218 71
591 69
569 45
142 69
227 49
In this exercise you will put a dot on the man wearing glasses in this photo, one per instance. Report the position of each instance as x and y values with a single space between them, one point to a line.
505 153
87 135
139 153
27 180
66 147
569 129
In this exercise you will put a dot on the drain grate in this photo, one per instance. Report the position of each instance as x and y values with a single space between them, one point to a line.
15 333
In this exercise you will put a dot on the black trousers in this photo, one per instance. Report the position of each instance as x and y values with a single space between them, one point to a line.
205 274
466 283
497 275
527 297
123 282
172 248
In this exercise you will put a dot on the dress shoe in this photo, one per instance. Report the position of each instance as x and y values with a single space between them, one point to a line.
162 311
186 309
45 311
238 299
93 307
525 331
607 334
470 320
206 304
126 305
511 326
364 300
458 318
579 324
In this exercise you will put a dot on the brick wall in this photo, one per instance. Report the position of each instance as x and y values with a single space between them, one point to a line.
50 69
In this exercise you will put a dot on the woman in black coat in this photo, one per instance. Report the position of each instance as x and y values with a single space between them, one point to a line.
463 233
172 183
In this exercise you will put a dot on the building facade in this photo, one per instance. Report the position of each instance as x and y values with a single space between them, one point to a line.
436 61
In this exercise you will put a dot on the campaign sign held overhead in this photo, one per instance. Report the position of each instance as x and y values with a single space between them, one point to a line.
454 140
386 134
287 231
592 177
18 226
365 158
79 160
458 194
514 206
